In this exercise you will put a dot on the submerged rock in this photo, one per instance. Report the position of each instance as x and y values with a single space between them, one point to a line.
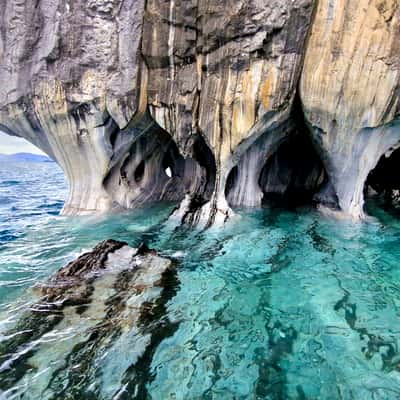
109 303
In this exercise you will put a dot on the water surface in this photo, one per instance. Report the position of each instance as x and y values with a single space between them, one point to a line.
279 304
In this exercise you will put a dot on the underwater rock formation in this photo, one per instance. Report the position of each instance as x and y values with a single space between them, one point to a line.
189 100
106 297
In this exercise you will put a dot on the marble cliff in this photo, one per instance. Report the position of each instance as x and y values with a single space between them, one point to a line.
215 104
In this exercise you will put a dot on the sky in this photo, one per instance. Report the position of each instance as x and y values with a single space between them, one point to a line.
11 145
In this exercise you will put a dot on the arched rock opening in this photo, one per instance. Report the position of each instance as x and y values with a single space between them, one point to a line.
197 203
293 174
384 181
202 154
242 184
349 160
148 167
282 166
151 169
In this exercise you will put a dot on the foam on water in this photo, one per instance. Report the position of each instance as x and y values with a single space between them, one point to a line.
277 305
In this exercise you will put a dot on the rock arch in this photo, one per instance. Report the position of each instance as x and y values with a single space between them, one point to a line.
384 180
147 166
281 164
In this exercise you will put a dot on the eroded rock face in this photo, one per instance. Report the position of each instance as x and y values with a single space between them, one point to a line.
226 71
350 93
79 79
109 296
68 73
168 100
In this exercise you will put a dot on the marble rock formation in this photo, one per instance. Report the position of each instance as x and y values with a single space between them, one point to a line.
89 310
191 100
350 90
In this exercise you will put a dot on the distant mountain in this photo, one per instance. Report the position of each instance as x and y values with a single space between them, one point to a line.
24 157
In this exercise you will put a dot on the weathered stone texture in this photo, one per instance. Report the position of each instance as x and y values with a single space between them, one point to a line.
226 71
121 91
350 90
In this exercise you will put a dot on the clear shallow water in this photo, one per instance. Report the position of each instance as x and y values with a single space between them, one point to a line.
278 305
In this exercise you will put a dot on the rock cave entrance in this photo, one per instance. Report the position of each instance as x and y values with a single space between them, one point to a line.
293 174
149 168
282 168
383 182
203 156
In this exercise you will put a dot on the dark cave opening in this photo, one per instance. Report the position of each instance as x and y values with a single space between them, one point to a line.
203 155
383 182
281 169
200 179
293 174
150 168
139 172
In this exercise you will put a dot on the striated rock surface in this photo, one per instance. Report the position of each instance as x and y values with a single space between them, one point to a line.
350 90
119 92
108 297
191 100
225 72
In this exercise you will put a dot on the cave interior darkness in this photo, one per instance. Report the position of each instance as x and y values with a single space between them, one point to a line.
383 182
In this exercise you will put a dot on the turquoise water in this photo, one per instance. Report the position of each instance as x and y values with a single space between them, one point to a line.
277 305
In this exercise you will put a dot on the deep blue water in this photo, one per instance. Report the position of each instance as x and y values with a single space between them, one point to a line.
277 305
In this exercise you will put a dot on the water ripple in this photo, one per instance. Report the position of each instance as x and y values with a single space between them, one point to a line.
278 305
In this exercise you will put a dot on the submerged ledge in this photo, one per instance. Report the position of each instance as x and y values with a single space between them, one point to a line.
112 294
